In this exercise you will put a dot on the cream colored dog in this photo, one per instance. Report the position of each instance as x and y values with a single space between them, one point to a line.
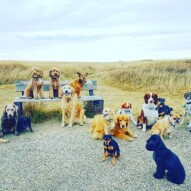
72 112
102 124
165 125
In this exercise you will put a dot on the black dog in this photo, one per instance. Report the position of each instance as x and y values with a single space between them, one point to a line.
9 120
111 148
162 108
23 123
165 160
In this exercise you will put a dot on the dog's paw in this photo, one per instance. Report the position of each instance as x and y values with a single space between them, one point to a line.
62 125
81 124
17 133
135 136
158 176
143 130
69 126
4 140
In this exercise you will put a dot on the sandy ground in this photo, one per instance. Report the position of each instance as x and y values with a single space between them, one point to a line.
68 159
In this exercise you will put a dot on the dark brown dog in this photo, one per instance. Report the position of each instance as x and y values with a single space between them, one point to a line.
79 83
55 86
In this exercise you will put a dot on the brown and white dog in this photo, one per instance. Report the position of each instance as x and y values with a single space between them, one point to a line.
55 86
149 112
72 111
35 85
165 125
79 83
126 109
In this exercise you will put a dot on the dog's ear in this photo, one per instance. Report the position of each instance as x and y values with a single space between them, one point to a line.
16 107
130 105
41 72
4 110
123 105
155 96
50 72
79 74
146 96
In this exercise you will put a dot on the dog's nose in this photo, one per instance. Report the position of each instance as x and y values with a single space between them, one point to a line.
9 115
66 91
123 126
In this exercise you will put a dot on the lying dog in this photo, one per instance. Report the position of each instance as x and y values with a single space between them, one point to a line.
79 83
35 85
24 123
163 109
187 108
102 124
165 160
111 148
165 125
9 120
126 109
121 129
55 86
149 112
72 112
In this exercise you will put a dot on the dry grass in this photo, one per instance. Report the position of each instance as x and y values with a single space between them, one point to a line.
117 82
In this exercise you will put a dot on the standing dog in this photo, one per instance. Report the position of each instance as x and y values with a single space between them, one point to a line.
111 148
126 109
72 112
149 112
102 124
9 120
165 125
165 160
35 85
121 129
55 86
187 108
79 83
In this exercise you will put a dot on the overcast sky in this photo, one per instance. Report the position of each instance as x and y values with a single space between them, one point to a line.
95 30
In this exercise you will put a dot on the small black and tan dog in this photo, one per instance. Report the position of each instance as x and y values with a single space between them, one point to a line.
9 120
111 148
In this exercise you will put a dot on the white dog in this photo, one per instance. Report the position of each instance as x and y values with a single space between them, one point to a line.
126 109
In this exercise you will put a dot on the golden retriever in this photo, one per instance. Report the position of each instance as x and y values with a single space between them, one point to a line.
165 125
79 83
72 112
35 85
121 129
55 85
102 124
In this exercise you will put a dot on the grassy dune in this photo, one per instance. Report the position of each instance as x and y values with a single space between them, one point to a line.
117 82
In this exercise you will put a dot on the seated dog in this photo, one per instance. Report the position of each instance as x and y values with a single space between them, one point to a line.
165 160
163 109
121 129
55 86
34 88
79 83
111 148
23 123
126 109
165 125
187 108
9 120
102 124
72 111
149 112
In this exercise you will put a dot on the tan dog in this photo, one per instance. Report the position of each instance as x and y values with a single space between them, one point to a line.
35 85
121 129
102 124
79 83
55 86
165 125
72 112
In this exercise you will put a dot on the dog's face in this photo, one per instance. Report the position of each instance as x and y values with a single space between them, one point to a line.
187 96
68 91
108 114
123 121
175 119
154 143
37 72
10 110
107 139
161 102
54 73
82 77
151 98
126 106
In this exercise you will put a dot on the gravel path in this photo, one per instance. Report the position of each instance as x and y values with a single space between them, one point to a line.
68 159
